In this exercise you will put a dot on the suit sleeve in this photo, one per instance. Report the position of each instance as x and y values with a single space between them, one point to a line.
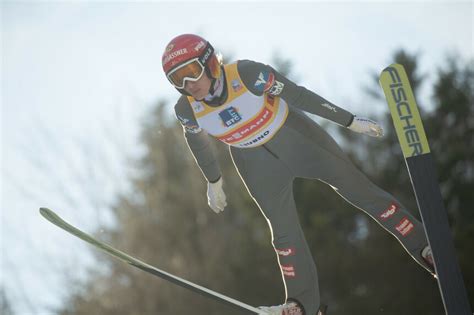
198 141
260 78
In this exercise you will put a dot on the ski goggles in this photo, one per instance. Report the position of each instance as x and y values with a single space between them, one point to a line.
192 70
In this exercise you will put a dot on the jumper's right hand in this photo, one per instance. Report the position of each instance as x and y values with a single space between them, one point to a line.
216 196
366 126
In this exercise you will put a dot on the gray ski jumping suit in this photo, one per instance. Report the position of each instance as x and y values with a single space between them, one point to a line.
271 143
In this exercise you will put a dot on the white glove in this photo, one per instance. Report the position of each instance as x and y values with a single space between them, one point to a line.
216 196
366 126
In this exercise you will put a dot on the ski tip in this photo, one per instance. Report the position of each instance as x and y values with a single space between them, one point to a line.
44 211
386 69
394 66
47 213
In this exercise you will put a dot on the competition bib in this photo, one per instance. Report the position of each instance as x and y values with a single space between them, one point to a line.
245 120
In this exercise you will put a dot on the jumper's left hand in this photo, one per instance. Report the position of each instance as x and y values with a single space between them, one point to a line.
366 126
215 196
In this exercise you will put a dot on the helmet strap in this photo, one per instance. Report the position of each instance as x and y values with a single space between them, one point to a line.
212 88
217 85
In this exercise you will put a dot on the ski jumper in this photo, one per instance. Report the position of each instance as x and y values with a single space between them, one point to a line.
271 143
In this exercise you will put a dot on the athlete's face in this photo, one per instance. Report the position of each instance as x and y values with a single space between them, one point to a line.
200 88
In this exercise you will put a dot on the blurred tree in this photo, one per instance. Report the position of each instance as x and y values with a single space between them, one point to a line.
451 130
166 222
5 305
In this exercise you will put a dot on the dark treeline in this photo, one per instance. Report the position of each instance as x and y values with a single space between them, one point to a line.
166 222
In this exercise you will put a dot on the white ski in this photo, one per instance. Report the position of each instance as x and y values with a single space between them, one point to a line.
56 220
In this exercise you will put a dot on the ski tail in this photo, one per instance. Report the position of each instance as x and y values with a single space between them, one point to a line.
58 221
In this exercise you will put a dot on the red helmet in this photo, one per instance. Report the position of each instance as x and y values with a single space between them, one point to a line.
187 57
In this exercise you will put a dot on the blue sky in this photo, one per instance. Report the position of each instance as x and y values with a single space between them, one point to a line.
79 77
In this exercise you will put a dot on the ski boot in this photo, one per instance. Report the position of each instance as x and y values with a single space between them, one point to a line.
289 308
